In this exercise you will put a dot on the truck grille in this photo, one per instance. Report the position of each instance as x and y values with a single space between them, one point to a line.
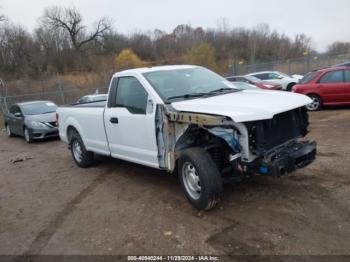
267 134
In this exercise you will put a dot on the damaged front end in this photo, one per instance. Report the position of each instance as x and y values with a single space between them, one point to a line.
260 147
276 143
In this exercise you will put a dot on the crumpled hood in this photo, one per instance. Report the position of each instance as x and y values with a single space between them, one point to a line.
44 118
246 105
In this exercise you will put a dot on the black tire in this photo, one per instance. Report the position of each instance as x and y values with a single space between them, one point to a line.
27 135
86 158
8 131
290 86
316 103
210 180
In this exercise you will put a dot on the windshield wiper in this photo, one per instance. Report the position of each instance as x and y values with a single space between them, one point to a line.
224 89
48 112
188 95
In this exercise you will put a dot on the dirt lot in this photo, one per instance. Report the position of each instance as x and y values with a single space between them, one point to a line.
50 206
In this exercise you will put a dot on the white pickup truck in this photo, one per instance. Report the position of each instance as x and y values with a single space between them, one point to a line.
190 121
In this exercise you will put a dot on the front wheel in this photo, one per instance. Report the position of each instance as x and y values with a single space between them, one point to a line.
27 135
200 178
316 103
81 156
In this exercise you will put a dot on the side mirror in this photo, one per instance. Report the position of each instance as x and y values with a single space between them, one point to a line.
149 108
280 77
17 114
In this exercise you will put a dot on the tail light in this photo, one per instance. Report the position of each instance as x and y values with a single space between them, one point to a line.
57 118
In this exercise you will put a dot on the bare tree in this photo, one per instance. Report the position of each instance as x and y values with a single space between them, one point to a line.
71 20
338 48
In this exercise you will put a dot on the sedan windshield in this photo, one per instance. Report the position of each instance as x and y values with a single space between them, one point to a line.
254 79
188 83
245 86
38 108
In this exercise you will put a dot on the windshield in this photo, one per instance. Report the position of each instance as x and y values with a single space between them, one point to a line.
308 77
253 79
38 108
187 83
283 74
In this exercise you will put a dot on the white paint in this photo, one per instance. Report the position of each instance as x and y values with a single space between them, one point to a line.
244 106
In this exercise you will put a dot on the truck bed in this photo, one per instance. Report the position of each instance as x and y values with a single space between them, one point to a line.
88 120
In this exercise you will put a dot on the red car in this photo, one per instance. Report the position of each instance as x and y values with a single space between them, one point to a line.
254 81
329 86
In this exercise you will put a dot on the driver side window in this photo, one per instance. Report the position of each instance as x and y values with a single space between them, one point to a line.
14 110
333 77
131 95
262 76
273 76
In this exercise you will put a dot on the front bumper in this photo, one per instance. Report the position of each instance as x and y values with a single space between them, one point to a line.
289 158
39 133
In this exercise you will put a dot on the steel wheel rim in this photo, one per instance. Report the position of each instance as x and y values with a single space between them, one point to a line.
8 131
314 104
191 180
77 151
26 135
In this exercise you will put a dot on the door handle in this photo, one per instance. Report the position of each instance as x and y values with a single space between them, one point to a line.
114 120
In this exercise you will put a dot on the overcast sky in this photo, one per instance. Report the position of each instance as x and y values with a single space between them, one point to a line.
325 21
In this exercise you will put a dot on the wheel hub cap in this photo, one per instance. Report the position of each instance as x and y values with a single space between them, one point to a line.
314 104
77 152
191 180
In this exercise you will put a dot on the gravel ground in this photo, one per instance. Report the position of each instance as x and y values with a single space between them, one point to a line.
50 206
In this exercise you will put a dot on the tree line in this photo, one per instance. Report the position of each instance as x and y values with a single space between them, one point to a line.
62 42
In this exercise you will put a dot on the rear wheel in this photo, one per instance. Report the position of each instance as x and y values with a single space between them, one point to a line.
290 86
81 156
27 135
316 103
8 131
200 178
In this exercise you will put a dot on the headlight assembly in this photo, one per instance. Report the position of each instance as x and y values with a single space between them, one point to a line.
37 124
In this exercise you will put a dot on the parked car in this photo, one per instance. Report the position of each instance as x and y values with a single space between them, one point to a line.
330 86
343 64
286 81
252 80
189 119
244 86
92 98
32 120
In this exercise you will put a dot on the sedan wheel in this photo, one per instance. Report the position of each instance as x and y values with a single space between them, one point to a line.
27 136
316 103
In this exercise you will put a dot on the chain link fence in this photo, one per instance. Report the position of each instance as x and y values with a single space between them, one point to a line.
300 66
62 91
55 90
